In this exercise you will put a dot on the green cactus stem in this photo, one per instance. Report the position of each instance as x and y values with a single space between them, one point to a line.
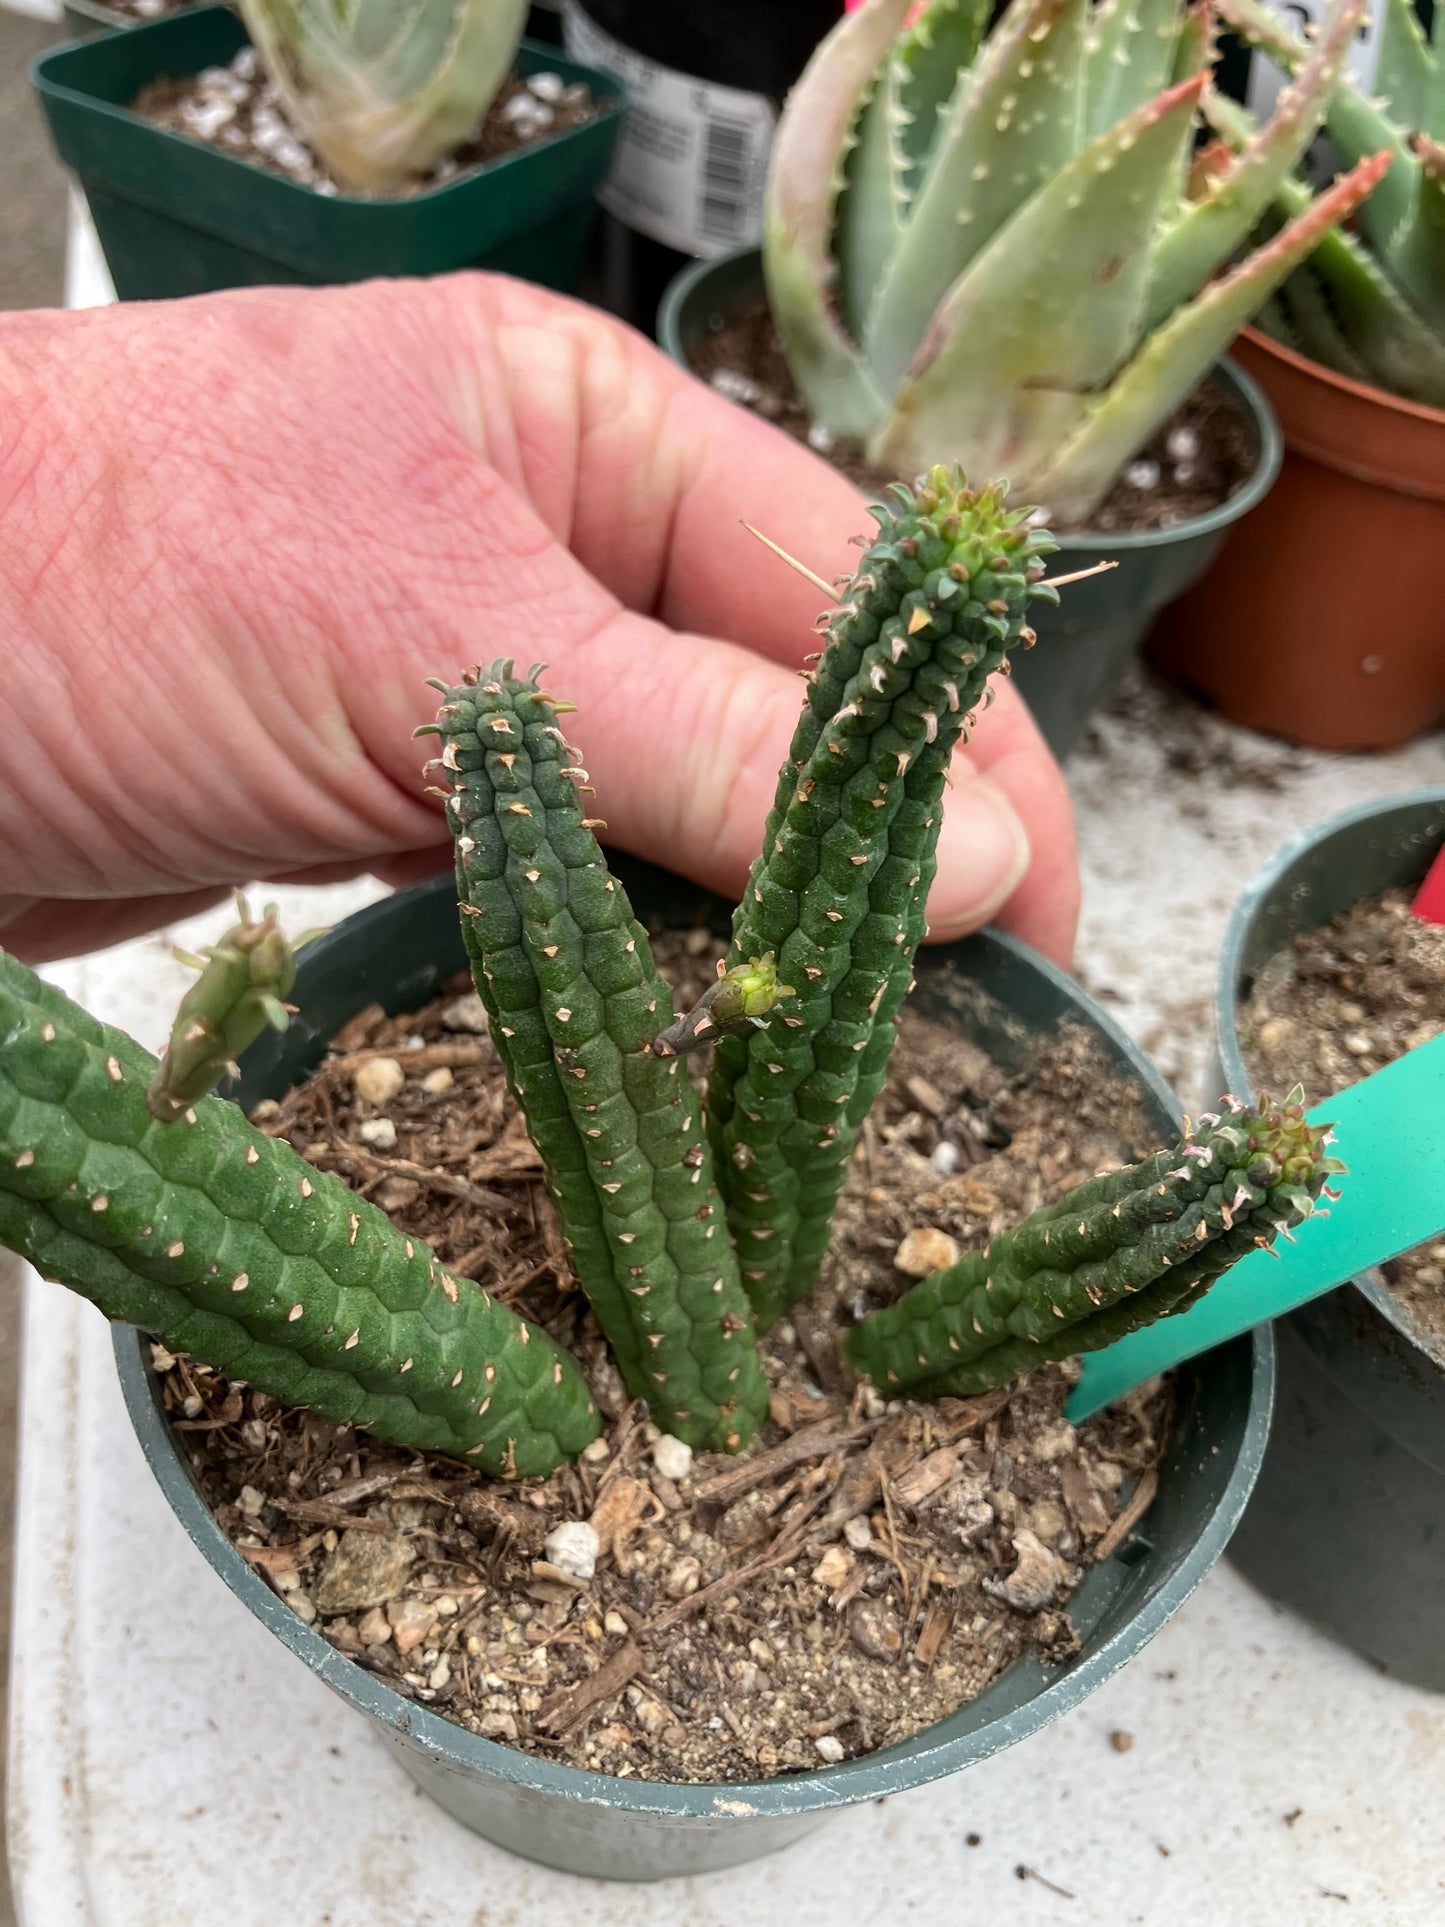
1116 1254
838 894
227 1245
567 977
739 1002
244 982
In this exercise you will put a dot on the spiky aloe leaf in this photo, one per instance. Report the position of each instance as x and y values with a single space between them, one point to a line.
1209 229
1418 253
227 1245
384 89
812 146
1134 48
1356 123
838 894
244 982
941 40
1117 1253
1012 125
1405 70
1049 311
567 977
1178 355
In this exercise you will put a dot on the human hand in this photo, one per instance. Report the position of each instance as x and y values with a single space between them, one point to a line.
236 533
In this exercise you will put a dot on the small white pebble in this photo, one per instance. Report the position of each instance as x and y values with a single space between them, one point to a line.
573 1547
596 1452
683 1578
192 1407
379 1132
303 1606
614 1623
291 155
546 86
467 1013
858 1533
437 1081
378 1081
1184 473
1142 475
440 1674
251 1502
245 64
820 439
1356 1043
672 1457
830 1748
1183 444
206 118
945 1158
924 1250
735 386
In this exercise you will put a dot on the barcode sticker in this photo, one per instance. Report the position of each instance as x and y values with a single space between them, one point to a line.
692 159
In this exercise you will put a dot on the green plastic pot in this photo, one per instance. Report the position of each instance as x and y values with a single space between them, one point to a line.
1087 642
1347 1523
176 217
398 953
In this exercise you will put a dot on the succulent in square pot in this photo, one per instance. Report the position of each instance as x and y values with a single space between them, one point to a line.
986 244
697 1223
297 144
1347 1524
1351 353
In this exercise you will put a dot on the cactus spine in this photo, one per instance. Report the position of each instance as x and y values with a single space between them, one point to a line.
838 894
225 1243
1117 1253
575 1001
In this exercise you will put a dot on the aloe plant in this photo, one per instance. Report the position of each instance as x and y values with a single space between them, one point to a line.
384 89
690 1226
1369 301
978 243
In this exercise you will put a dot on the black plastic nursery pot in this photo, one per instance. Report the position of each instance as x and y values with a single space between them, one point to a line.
1347 1523
177 217
1086 643
398 953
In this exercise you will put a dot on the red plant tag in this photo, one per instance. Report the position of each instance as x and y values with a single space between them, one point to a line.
1429 904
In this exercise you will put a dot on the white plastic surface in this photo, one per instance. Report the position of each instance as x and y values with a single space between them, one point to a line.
171 1764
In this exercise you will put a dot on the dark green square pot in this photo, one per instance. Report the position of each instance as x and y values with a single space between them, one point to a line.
176 217
1088 641
1347 1524
991 990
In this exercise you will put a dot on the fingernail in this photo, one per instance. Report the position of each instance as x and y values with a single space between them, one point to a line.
983 852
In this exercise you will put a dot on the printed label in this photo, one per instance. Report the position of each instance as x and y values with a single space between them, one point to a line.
692 157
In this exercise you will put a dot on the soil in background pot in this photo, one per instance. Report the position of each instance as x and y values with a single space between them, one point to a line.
236 109
861 1572
1342 1001
1195 463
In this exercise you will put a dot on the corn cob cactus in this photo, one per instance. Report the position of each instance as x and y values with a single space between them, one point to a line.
978 245
383 90
839 891
1369 302
575 1001
226 1244
1119 1252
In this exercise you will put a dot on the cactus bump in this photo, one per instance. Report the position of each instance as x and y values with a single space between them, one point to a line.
692 1223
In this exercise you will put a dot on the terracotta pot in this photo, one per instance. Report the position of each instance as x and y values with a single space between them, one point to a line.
1323 619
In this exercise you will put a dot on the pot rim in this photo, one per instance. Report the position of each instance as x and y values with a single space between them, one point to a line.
825 1789
1247 389
1248 905
1362 391
614 104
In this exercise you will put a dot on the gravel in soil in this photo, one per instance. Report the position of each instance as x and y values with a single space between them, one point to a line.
1196 462
1343 1001
237 109
859 1574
